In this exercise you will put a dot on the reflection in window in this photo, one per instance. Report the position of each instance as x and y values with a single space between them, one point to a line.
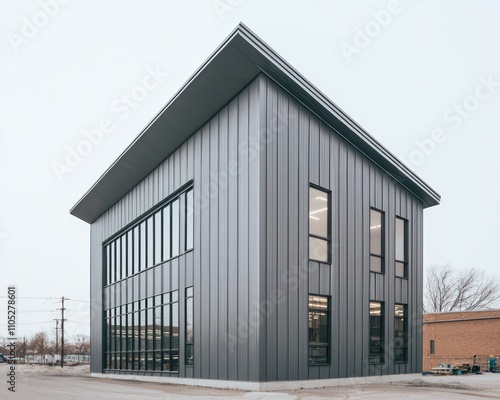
189 327
376 333
319 333
144 335
175 228
400 333
401 248
319 226
376 241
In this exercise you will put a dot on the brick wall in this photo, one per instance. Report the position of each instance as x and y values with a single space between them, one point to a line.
459 335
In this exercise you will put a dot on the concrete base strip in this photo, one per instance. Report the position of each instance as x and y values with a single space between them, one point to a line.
264 386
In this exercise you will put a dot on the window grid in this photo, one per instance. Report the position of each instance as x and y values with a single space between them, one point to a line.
144 335
151 241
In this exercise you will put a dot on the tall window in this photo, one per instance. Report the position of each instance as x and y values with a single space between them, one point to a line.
189 220
376 332
400 333
189 327
319 334
376 241
401 248
432 349
319 225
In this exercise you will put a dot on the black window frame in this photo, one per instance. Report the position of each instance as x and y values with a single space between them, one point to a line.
403 347
328 238
315 345
405 251
132 251
380 256
380 347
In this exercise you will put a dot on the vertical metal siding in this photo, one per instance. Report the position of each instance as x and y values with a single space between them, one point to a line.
224 266
325 159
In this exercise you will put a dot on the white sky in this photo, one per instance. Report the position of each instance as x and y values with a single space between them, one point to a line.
71 72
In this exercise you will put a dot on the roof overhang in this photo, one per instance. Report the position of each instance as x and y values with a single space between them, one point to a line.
236 63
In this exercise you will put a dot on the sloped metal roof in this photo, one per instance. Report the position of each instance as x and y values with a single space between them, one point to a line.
236 63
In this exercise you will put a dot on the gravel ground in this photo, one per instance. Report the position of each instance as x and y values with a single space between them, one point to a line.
55 383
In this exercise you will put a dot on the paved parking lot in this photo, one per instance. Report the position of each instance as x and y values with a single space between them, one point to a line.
75 383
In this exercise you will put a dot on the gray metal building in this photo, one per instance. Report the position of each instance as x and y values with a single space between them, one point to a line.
254 232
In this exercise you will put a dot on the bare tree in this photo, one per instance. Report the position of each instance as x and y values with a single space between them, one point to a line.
40 343
82 344
450 290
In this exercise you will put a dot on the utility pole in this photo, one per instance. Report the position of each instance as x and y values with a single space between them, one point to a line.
57 335
62 331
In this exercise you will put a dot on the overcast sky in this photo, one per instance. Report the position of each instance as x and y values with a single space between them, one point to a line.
422 77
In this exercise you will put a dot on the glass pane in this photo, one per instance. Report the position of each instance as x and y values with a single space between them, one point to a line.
189 354
400 269
400 240
375 308
150 241
158 238
136 249
318 212
124 257
150 330
142 340
175 326
166 233
189 291
118 259
130 253
174 359
399 310
189 220
142 241
400 355
175 228
166 327
375 264
376 232
318 355
318 249
157 327
112 265
157 366
189 320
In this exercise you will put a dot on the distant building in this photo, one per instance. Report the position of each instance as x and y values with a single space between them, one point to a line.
455 337
254 232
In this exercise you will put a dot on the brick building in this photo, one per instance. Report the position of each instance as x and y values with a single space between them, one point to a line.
455 337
